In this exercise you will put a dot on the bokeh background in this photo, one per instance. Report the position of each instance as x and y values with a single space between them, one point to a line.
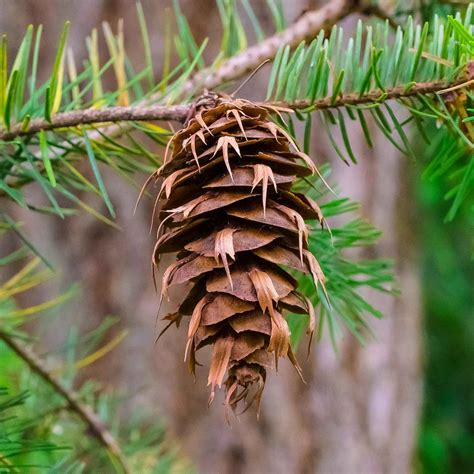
402 402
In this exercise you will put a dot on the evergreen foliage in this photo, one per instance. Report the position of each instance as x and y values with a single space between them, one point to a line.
46 425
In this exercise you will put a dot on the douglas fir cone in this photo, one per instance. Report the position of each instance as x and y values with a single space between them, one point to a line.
229 214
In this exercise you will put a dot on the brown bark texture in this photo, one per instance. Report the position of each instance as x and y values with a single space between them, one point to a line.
359 409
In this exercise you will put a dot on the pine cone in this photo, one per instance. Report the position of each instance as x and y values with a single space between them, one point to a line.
231 217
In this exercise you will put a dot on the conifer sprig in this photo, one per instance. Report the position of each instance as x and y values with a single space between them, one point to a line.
41 399
43 125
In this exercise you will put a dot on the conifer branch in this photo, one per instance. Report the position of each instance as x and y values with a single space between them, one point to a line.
87 415
75 118
305 27
179 113
378 96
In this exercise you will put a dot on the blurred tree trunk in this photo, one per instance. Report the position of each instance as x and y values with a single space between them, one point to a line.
358 412
365 403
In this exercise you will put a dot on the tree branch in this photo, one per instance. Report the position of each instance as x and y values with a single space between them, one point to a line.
91 419
377 96
180 112
307 26
90 116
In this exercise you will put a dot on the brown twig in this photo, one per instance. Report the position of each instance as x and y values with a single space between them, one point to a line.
376 96
180 112
87 415
93 116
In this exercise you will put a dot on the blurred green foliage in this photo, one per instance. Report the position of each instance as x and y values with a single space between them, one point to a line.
42 398
446 438
39 433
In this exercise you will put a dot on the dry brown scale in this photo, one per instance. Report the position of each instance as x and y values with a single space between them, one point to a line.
227 210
